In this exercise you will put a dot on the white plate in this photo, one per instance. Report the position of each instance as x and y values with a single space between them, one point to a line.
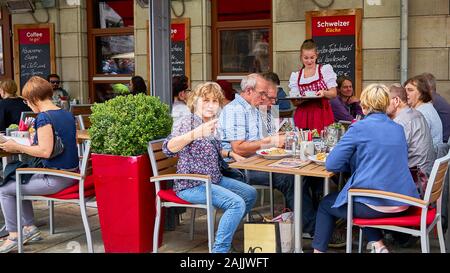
269 156
301 97
314 159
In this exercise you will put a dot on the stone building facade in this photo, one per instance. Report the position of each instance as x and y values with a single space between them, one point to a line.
429 39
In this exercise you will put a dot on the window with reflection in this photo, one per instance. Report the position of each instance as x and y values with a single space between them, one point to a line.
115 54
242 37
111 47
243 51
107 91
114 14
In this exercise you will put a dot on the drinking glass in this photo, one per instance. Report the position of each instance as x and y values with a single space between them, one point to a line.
290 142
319 147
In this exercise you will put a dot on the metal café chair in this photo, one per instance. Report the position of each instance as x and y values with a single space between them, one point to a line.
164 169
80 193
420 218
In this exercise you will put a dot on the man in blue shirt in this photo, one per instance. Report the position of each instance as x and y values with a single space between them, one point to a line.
241 129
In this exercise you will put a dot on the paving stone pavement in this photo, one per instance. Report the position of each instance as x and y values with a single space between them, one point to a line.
70 238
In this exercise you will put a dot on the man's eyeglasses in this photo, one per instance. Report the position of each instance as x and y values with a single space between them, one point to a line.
272 99
261 93
55 82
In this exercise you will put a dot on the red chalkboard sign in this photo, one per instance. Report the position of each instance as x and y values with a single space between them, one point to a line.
338 37
180 50
34 51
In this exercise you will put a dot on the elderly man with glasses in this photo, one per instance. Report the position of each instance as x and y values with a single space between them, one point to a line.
59 94
241 128
269 107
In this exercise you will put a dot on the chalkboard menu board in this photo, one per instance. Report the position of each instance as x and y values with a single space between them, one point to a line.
180 51
338 37
34 51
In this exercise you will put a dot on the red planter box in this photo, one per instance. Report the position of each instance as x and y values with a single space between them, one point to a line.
126 202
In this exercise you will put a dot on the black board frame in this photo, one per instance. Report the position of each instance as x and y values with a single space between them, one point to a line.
17 56
187 43
357 13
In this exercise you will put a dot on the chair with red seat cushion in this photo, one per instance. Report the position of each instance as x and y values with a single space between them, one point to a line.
80 193
420 218
410 219
170 196
73 192
164 169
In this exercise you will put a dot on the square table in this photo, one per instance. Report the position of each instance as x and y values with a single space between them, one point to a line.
258 163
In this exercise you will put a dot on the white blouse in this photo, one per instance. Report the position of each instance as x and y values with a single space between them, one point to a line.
328 75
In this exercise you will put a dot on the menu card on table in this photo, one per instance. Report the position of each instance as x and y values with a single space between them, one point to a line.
21 140
290 163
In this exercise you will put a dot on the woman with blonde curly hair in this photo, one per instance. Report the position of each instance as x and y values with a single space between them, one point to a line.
199 152
368 150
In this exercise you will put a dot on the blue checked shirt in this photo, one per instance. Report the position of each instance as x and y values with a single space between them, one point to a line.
239 121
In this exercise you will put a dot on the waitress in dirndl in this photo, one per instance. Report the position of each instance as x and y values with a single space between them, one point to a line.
313 113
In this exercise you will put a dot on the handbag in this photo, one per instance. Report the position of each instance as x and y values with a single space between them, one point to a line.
262 236
58 145
230 172
420 179
226 170
9 173
286 223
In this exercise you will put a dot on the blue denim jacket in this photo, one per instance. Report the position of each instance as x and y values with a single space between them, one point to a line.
375 150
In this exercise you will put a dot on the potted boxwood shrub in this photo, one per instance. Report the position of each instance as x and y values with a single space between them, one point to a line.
120 131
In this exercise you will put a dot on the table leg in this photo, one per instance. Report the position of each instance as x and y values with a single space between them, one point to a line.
326 186
4 162
271 194
341 181
3 231
298 225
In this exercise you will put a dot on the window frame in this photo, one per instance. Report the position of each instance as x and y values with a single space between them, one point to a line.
93 33
217 27
5 23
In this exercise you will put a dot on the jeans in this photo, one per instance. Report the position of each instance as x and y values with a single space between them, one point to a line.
327 216
234 197
285 184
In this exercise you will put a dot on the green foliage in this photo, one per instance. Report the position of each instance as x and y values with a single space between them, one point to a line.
124 125
336 125
13 126
120 89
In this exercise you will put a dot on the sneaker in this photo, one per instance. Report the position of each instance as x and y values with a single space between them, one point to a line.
31 234
338 238
9 245
383 249
369 246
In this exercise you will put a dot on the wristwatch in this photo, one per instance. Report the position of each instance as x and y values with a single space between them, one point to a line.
228 154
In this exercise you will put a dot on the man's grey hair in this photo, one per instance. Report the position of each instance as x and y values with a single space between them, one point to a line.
249 82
